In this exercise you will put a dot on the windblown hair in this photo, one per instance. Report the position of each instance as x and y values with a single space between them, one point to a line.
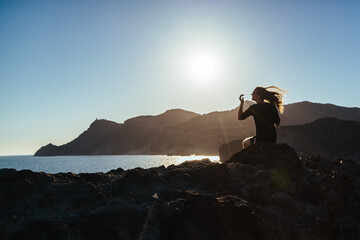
274 97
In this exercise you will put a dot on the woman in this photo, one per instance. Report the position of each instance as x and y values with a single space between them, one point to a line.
265 113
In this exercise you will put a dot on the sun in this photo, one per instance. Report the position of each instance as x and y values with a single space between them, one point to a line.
203 66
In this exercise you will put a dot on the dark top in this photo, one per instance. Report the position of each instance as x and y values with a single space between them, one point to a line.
265 116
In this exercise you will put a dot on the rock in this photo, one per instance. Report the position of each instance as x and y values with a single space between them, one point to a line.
264 192
204 217
281 157
116 171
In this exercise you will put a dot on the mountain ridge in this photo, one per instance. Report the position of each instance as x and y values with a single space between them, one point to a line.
181 132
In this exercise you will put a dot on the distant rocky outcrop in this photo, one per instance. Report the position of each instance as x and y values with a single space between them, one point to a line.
105 137
179 132
48 150
265 192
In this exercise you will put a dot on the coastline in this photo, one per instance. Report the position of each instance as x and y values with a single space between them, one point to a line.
275 194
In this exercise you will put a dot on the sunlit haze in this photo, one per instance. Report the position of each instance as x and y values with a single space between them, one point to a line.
204 66
65 63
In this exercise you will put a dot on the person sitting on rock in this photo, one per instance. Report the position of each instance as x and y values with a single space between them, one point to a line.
265 113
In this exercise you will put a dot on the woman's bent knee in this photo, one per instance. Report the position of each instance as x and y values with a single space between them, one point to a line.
246 143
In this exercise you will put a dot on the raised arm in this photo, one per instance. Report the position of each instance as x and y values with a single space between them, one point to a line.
241 98
241 114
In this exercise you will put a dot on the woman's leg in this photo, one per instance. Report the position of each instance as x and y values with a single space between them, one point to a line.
247 142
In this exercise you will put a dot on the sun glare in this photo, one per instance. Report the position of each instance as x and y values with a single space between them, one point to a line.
203 66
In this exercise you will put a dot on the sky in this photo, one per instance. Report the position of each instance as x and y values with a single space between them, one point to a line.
65 63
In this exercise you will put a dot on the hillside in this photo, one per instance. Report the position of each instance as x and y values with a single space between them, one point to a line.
328 137
306 112
181 132
105 137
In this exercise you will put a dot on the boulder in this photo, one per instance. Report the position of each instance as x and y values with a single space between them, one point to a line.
281 157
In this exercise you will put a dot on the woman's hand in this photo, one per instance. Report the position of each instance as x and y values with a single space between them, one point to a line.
241 98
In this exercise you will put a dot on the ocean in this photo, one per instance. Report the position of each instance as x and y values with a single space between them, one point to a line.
92 164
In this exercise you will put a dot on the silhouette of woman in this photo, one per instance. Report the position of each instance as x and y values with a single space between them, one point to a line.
265 113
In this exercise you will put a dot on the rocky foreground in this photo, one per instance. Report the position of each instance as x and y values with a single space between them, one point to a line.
264 192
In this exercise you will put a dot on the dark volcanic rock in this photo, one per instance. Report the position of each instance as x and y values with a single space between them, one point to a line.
281 157
205 217
265 192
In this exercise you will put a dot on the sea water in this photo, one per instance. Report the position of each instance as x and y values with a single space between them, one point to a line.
92 164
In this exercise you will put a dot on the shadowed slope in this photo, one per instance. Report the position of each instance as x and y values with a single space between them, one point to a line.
180 132
329 137
106 137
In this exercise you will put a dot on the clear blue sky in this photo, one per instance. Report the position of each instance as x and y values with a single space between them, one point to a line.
65 63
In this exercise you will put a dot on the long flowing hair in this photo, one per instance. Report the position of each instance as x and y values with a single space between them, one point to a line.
272 95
